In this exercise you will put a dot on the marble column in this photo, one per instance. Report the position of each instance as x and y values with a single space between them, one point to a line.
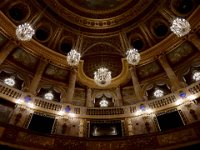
6 50
71 86
136 85
195 40
175 83
119 101
38 75
89 102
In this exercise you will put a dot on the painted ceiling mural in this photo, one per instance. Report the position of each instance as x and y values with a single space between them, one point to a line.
56 73
149 69
182 52
25 59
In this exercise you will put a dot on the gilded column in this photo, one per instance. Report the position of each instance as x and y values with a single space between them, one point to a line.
195 40
89 102
136 85
38 75
6 50
71 86
119 97
170 73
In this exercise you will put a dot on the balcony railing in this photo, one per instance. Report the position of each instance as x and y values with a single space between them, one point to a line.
13 95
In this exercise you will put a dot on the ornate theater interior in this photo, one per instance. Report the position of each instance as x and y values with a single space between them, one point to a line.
99 74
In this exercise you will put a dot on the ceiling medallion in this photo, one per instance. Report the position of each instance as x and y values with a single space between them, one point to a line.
133 57
196 76
102 77
10 81
49 95
73 58
180 27
25 32
158 93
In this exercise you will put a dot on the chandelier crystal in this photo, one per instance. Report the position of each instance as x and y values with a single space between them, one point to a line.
196 76
158 93
9 81
102 77
180 27
73 58
103 103
24 32
133 57
49 95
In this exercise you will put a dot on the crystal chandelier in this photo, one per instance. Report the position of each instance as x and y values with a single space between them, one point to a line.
158 93
180 27
73 58
103 103
10 81
196 76
133 57
24 32
102 77
49 95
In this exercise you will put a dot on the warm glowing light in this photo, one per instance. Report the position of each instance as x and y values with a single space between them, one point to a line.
30 105
180 27
24 32
71 114
179 102
149 110
192 97
61 113
138 112
73 58
19 101
102 77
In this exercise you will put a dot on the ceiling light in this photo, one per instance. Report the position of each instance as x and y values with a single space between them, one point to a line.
158 93
49 95
24 32
10 81
196 76
133 57
180 27
73 58
102 77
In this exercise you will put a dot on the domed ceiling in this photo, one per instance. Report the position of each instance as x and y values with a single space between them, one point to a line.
102 31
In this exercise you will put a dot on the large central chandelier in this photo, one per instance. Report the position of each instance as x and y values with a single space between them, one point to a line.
24 32
73 58
102 77
133 57
180 27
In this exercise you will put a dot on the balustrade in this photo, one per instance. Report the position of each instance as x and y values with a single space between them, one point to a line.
13 94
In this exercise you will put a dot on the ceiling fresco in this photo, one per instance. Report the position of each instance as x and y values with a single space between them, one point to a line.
183 51
149 70
24 59
56 73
